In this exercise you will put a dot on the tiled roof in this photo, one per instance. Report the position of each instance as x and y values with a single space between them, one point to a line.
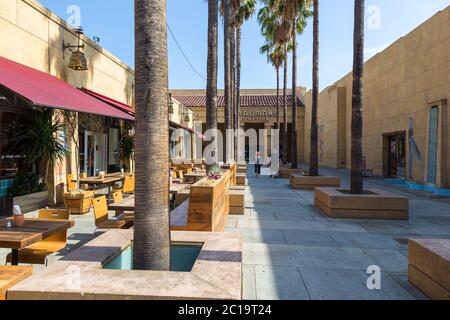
247 100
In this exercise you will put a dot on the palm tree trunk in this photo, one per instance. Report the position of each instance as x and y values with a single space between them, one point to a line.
151 223
285 127
211 90
356 181
227 66
294 159
314 144
238 90
233 84
278 98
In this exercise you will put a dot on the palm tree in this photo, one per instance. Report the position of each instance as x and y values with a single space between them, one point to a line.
296 11
275 30
227 66
275 57
211 90
243 13
151 227
314 147
356 181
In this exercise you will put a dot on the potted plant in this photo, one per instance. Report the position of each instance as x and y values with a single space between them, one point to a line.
127 151
38 138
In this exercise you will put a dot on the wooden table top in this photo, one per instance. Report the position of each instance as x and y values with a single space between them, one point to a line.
11 275
32 231
195 174
97 180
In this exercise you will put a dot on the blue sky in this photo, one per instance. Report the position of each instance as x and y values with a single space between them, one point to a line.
386 21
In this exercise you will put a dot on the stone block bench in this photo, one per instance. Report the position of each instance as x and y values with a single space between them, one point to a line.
10 276
429 267
182 196
241 179
237 200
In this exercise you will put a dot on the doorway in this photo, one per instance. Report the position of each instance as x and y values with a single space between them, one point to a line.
94 153
395 155
432 146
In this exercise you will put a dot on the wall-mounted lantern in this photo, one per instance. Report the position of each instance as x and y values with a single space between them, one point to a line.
77 58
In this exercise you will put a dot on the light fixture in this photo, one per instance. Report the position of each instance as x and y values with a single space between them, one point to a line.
77 58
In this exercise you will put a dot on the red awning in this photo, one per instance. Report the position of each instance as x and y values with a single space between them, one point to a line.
42 89
130 110
119 105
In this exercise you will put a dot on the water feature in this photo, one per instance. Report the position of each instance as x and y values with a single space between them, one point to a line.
182 256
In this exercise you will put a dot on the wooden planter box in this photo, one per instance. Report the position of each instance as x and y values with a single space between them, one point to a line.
233 171
285 172
376 204
209 205
302 182
78 202
429 267
27 203
237 201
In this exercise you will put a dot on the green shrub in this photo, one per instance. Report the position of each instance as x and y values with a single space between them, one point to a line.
26 183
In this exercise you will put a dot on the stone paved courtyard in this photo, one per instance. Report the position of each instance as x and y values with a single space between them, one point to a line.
292 251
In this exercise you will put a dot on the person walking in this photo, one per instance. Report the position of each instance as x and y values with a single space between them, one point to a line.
258 164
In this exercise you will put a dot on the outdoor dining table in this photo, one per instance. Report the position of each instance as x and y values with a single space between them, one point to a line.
127 204
32 231
108 181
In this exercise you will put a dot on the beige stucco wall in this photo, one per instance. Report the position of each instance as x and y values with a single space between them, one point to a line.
32 35
399 85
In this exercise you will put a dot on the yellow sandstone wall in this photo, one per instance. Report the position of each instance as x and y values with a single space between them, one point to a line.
401 83
32 35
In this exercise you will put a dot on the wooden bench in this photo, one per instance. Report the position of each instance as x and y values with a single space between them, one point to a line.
237 201
429 267
10 276
179 216
182 196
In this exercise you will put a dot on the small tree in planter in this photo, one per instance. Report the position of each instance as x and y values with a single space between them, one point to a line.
127 145
358 203
38 137
312 179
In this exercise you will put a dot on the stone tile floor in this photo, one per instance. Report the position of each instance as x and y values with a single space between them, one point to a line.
293 251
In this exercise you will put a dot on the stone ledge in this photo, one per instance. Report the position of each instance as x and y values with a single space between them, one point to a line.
217 273
379 204
302 182
429 266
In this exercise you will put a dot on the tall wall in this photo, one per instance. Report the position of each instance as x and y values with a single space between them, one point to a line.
401 84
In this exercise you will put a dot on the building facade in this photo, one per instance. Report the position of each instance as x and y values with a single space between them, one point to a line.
258 112
405 109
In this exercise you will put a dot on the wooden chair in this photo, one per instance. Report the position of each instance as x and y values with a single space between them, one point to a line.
37 253
127 185
102 220
71 185
117 197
